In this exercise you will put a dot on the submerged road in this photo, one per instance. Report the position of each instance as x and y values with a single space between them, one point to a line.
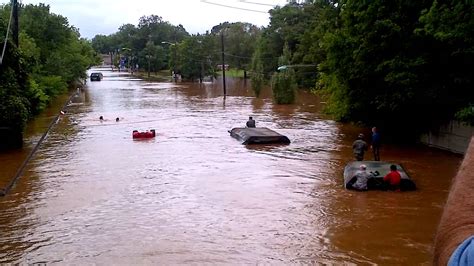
195 195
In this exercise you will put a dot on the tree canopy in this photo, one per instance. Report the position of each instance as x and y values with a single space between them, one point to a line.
50 56
398 64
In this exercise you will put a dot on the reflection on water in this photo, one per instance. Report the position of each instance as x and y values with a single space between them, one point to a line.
195 195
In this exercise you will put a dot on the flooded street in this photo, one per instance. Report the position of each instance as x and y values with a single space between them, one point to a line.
194 194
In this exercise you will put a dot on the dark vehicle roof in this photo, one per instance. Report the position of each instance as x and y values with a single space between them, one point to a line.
96 74
259 135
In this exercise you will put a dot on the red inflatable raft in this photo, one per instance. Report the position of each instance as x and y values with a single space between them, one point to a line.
143 135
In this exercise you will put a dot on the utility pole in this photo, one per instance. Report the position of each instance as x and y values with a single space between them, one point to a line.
174 64
148 56
111 60
223 62
201 73
15 28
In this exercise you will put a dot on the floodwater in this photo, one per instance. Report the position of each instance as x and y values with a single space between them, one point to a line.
194 195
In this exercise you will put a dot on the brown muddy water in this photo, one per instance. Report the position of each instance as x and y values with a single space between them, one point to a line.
194 195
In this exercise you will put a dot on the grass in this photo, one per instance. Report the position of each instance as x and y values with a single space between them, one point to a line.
162 75
233 73
165 75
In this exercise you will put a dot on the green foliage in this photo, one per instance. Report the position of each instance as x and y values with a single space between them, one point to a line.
386 63
155 55
284 86
191 58
284 82
38 98
50 31
239 42
14 107
234 73
335 94
258 78
102 44
448 28
51 56
158 43
30 52
51 46
145 45
321 19
302 26
466 115
52 85
14 111
378 62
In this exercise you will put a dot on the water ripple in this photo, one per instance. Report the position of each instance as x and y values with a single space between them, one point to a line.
195 195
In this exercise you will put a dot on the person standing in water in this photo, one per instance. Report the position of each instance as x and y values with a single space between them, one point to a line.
375 145
359 147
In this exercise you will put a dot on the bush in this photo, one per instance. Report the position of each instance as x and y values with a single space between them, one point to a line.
38 99
52 85
13 112
284 86
466 115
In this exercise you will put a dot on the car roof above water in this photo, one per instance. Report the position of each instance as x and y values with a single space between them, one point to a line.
382 167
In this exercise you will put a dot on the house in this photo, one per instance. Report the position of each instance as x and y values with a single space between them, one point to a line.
219 67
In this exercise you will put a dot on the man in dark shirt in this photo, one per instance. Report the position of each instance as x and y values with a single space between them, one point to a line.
251 122
359 147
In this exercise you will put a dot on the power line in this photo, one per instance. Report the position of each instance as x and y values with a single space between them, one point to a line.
6 36
255 3
234 7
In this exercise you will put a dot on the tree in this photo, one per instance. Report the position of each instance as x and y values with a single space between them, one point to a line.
51 57
373 70
102 44
321 17
190 58
239 41
284 82
15 108
258 78
448 30
142 43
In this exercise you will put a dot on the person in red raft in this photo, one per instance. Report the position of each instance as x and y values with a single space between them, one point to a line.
392 179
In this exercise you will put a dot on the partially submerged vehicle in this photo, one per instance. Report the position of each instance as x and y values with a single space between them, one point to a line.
378 169
96 76
258 135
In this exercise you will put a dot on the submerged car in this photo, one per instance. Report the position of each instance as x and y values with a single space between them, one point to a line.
260 135
378 169
96 76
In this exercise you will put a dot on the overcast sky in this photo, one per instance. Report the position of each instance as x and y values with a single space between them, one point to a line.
106 16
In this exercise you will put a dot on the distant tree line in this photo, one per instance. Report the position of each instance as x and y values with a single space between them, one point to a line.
156 45
50 57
